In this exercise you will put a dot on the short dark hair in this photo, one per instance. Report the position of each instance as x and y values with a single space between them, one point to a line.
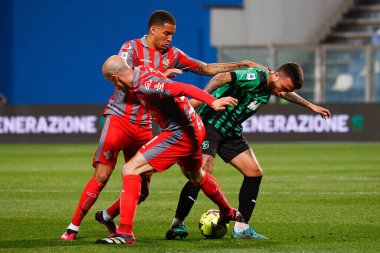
160 17
294 72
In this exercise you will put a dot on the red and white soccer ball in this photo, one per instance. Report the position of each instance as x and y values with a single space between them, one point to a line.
208 225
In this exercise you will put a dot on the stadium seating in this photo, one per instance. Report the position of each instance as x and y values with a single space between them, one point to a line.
359 25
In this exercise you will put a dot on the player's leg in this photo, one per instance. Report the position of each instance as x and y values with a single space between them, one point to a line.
187 198
248 165
210 188
104 161
129 197
106 217
190 191
136 137
158 153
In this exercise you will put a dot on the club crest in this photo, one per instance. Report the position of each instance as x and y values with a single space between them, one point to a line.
205 144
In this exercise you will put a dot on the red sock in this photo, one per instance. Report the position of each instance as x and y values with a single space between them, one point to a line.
89 195
114 210
129 197
210 187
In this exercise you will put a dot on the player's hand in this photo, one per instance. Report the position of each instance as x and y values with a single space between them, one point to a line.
171 73
195 103
325 113
221 103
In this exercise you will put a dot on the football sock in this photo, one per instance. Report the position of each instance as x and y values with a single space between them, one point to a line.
72 229
210 187
129 197
106 216
186 201
240 226
114 209
89 195
248 195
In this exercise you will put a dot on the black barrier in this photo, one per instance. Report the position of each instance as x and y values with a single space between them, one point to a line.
51 123
83 123
349 122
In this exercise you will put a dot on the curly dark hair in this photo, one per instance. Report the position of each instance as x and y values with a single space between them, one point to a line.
294 72
160 17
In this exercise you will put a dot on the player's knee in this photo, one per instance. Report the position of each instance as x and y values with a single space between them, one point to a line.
196 177
208 164
102 172
253 172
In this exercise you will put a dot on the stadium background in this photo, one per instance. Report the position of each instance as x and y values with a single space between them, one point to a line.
52 52
315 197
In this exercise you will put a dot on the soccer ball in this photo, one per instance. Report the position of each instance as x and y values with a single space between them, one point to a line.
208 225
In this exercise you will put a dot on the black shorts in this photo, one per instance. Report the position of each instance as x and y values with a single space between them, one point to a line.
226 147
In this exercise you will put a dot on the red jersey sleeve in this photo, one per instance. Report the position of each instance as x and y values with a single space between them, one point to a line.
182 89
127 52
185 62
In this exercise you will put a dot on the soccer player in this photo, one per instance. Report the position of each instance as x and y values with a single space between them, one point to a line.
127 124
252 87
179 142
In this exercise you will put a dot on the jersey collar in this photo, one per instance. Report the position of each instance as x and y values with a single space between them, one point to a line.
143 41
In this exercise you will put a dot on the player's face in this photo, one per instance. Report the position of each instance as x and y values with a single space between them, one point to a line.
117 81
282 85
162 35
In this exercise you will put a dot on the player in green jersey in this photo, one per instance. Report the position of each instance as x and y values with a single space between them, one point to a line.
252 87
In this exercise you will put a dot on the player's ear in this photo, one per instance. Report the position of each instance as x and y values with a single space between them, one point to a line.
276 76
152 29
114 79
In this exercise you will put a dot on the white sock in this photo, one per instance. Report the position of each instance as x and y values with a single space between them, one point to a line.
73 227
240 226
176 222
106 216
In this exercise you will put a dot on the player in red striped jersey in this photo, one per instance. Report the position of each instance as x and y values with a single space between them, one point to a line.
127 123
179 142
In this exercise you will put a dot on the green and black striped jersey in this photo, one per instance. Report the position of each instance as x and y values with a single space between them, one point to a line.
250 87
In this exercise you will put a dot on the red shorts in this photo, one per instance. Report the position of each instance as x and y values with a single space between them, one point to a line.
169 148
120 134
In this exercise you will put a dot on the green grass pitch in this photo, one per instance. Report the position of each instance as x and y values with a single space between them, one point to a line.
315 197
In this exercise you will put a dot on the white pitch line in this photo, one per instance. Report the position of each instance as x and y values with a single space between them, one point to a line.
176 192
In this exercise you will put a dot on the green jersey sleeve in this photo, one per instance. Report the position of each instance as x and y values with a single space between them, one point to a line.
249 79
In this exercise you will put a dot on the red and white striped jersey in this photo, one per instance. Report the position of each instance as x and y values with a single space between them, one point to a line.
167 101
136 53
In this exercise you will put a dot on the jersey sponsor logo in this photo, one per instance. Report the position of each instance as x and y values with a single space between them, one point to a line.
254 105
145 61
147 84
165 61
250 76
159 86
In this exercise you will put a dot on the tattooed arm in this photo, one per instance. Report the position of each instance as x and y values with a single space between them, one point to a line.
212 69
215 83
297 99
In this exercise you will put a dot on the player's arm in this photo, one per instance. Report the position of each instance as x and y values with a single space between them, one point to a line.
297 99
190 64
128 53
171 73
215 82
181 89
212 69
